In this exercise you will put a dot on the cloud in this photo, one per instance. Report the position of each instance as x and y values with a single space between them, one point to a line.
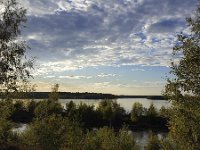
167 26
101 84
70 35
137 69
75 77
50 77
102 75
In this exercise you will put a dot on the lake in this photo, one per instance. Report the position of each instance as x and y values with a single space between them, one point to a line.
127 103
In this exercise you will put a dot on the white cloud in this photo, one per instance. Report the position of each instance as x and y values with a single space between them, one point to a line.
70 35
78 5
102 75
101 84
74 77
49 76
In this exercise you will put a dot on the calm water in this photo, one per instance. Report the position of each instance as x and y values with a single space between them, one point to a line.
127 103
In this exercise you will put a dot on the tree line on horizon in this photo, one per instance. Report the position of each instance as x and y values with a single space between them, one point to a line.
62 95
76 95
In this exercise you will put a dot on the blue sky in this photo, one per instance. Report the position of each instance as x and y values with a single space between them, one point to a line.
109 46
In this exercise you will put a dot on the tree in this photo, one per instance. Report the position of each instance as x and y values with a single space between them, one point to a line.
71 110
52 133
152 111
50 106
87 116
184 89
14 67
54 95
111 111
136 111
107 139
164 112
47 108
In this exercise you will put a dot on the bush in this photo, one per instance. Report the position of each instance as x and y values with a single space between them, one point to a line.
6 134
106 139
51 133
111 112
47 108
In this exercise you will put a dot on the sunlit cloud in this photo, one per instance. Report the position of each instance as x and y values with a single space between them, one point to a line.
69 36
104 33
75 77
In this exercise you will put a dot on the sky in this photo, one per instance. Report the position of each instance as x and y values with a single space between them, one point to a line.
107 46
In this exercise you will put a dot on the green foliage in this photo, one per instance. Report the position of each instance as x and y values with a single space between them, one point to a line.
136 111
106 139
111 111
47 108
6 134
153 142
49 116
50 106
58 133
70 109
52 133
184 89
168 144
152 111
184 123
14 68
164 112
87 115
103 138
31 105
126 140
19 105
6 108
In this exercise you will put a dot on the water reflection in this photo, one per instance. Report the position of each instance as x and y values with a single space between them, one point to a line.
20 128
141 137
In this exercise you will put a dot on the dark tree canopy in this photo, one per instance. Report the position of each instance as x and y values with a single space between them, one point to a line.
14 67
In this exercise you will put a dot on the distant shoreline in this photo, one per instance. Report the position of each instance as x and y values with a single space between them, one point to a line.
85 95
151 97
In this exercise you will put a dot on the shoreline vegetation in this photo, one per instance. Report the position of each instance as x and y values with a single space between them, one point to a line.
107 113
77 95
50 126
